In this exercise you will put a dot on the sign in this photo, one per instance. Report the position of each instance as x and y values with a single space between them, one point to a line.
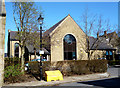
41 52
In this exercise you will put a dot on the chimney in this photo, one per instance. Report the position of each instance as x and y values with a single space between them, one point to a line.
105 34
97 35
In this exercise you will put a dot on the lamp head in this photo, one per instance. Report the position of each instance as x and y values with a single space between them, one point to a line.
40 19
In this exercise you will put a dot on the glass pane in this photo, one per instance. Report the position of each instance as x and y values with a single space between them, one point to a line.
107 53
73 54
110 52
69 47
16 50
69 39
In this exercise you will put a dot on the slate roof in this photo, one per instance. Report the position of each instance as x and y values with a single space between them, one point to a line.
101 44
13 35
31 49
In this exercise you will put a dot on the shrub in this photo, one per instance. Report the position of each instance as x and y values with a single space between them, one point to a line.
80 67
12 71
112 62
97 66
12 61
34 66
72 67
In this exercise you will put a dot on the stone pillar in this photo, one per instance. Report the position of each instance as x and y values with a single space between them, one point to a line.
2 39
113 54
48 58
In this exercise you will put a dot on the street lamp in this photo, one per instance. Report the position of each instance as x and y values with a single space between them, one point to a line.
40 20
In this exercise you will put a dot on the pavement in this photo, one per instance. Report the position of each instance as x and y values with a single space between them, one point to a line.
65 80
114 71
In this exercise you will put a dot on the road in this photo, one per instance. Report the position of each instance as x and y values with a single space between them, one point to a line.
112 81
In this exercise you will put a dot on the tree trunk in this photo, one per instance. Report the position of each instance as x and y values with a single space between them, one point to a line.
88 55
88 45
35 54
2 40
22 59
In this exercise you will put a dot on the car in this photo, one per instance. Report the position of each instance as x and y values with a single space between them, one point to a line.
27 65
102 58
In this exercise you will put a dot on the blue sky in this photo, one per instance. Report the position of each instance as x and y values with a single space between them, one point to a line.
55 11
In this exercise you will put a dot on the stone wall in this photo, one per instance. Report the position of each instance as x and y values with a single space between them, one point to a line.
2 40
12 49
97 54
68 26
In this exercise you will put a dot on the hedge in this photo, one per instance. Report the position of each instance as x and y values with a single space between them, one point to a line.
71 67
12 61
112 62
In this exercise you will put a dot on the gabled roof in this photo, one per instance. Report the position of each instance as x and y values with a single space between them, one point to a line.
49 31
46 33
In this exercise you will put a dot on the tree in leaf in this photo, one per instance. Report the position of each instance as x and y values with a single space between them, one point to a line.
25 16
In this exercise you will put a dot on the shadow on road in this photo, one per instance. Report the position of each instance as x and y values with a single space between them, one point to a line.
106 83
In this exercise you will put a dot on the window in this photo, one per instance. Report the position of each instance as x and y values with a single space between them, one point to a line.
69 47
16 50
110 52
107 53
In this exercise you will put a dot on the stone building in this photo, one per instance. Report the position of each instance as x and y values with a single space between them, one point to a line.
66 41
2 39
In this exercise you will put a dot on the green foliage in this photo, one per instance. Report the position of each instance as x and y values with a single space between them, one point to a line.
116 62
11 71
25 15
12 61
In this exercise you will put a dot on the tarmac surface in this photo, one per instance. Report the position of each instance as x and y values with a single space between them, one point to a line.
113 81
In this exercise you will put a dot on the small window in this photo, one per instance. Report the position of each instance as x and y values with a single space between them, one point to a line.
107 53
16 50
110 52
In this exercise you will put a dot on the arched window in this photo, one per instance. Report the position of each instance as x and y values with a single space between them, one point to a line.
16 50
69 47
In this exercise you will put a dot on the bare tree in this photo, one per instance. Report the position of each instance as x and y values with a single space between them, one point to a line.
25 16
93 25
87 27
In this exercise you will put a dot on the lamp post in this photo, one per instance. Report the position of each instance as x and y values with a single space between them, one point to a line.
40 20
